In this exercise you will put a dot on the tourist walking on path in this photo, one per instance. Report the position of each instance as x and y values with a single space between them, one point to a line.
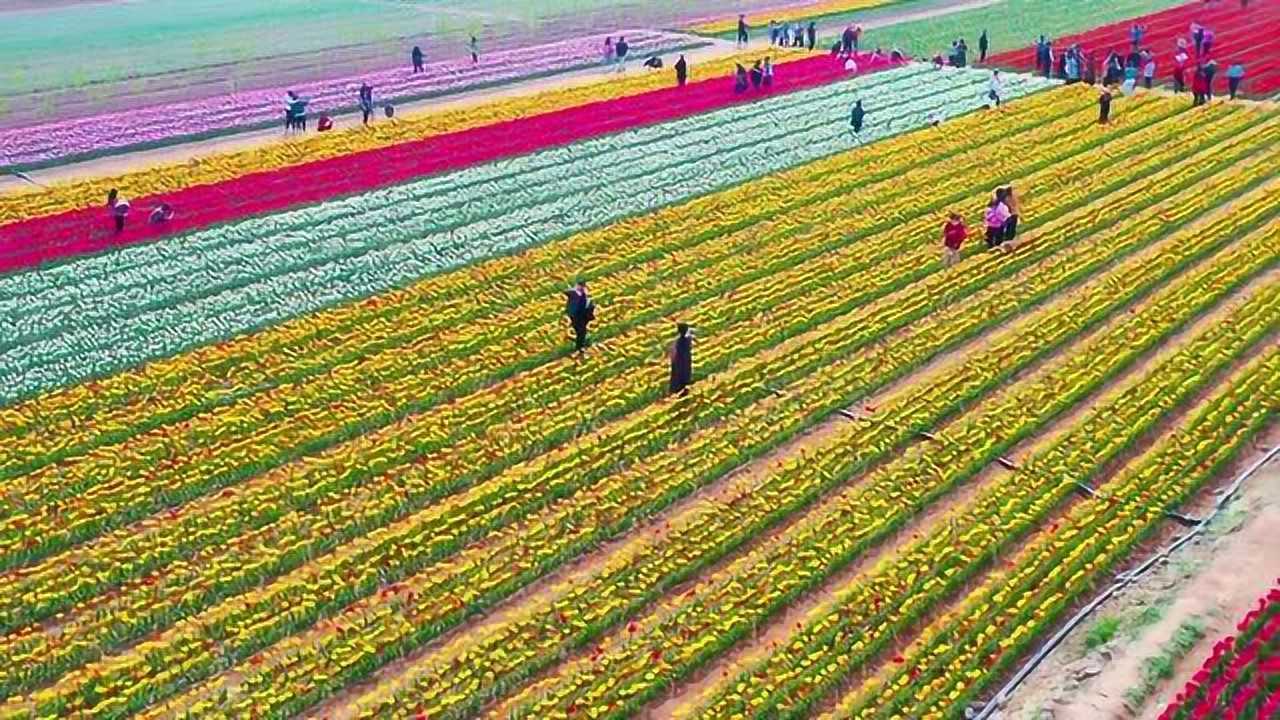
473 46
608 51
1235 75
954 234
740 81
744 35
621 49
581 311
984 44
118 208
996 216
416 57
682 71
1104 106
366 101
856 117
812 32
681 360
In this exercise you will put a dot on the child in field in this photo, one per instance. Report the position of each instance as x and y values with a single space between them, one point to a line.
954 234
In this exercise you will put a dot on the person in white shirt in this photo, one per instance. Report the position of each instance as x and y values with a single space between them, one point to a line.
995 88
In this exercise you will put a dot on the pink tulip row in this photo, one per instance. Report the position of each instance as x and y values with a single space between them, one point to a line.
62 140
1241 679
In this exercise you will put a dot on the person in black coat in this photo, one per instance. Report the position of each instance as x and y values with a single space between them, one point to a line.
416 57
757 75
812 32
581 311
984 44
682 71
681 360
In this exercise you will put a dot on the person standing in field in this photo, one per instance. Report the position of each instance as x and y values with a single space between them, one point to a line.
954 234
581 311
682 71
773 32
996 216
847 40
416 57
1180 71
995 87
1136 32
812 32
1104 106
744 35
681 360
1199 87
366 101
621 49
1149 71
757 75
118 208
740 81
608 51
1235 75
1210 71
856 117
984 44
1011 223
768 73
473 46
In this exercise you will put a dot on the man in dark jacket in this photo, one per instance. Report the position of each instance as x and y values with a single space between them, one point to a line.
682 71
581 311
681 360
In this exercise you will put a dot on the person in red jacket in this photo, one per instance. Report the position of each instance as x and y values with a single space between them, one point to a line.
1200 86
954 234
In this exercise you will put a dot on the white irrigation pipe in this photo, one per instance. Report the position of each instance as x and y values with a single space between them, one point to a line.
1123 581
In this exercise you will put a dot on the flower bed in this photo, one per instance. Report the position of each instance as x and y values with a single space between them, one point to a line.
1241 679
1249 35
82 138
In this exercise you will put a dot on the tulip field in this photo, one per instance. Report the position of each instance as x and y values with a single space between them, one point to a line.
321 445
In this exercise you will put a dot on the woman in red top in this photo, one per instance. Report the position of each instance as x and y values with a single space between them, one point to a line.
953 236
1200 87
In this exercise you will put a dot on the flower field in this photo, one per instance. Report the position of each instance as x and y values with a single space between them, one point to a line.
41 238
204 286
67 140
1248 35
331 456
1241 679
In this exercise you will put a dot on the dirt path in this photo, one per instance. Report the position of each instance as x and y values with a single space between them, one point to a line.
1214 580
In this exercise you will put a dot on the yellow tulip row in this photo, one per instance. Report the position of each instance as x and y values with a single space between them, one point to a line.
674 637
431 599
492 295
787 15
93 485
268 607
29 203
870 610
962 651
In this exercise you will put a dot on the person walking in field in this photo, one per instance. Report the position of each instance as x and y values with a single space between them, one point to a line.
744 35
1210 71
608 51
681 360
767 72
621 49
1235 75
366 101
812 32
581 311
682 71
1104 106
954 233
1149 71
856 117
757 75
416 57
996 216
995 87
984 44
118 209
1180 71
797 36
1199 87
848 40
473 46
740 81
